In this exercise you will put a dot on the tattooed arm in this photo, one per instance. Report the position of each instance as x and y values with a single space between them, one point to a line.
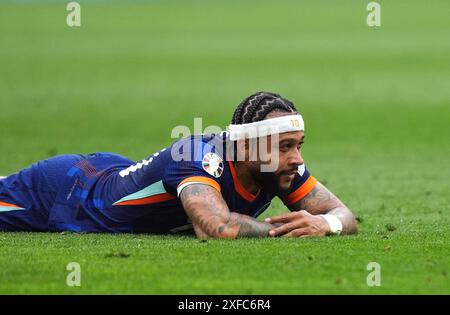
305 220
211 217
322 201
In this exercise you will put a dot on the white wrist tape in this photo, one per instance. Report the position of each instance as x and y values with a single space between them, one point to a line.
266 127
334 222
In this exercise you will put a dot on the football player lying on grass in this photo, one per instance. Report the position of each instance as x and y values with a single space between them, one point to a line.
212 184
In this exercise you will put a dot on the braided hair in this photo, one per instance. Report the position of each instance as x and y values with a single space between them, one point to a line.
257 106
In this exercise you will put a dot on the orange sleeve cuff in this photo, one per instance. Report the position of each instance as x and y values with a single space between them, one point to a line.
300 192
201 179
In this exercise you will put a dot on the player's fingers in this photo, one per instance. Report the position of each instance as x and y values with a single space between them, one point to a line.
283 218
287 227
281 230
301 232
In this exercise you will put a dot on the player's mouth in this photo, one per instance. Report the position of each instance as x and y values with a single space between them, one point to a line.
289 175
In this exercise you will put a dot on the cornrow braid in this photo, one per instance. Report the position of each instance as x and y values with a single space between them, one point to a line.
257 106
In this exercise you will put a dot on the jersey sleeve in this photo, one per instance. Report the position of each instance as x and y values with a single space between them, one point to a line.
302 185
200 165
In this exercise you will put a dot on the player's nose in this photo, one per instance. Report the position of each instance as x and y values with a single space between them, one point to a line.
296 159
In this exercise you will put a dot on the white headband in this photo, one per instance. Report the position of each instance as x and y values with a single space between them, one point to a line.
266 127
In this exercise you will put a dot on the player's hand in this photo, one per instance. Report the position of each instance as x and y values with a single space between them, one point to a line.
299 224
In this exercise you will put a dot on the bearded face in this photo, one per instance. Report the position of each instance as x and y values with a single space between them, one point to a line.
286 156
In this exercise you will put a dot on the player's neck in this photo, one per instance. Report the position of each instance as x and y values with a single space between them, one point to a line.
246 179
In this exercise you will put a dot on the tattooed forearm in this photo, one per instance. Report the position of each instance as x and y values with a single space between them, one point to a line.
247 226
211 217
321 201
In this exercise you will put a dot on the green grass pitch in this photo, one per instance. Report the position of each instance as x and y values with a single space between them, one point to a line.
376 102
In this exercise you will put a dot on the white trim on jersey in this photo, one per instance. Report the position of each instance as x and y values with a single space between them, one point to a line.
182 186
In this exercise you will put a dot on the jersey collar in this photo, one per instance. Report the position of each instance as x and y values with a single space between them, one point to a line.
244 193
